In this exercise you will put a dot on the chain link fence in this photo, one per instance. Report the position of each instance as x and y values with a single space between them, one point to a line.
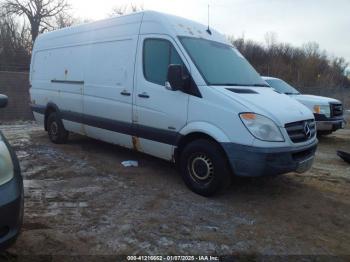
16 86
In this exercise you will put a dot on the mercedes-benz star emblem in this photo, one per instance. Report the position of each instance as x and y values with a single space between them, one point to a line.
307 130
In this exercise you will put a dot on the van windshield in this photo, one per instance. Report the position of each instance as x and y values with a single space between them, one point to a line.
221 64
282 87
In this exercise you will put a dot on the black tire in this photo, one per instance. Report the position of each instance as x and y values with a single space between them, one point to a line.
204 167
55 129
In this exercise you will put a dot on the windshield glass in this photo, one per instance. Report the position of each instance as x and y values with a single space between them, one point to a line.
221 64
282 87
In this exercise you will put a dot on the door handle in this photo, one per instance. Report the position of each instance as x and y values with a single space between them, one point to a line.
144 95
125 93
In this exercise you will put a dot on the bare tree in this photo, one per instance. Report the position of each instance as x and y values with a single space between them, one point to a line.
311 48
126 9
40 13
15 45
64 19
270 39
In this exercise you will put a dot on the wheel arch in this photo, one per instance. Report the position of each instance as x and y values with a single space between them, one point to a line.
199 130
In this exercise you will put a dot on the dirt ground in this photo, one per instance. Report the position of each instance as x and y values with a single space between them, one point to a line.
80 200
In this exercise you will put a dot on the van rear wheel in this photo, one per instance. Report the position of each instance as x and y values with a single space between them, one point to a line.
204 167
56 131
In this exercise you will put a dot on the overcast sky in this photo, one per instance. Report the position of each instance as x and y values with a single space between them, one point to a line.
326 22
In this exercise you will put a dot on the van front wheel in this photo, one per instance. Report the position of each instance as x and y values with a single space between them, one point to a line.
57 133
204 167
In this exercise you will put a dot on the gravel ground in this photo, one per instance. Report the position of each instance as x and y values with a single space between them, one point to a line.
80 200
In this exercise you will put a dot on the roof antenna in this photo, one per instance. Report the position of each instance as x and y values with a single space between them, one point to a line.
208 30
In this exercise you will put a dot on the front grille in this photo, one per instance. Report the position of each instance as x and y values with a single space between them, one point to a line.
336 110
301 131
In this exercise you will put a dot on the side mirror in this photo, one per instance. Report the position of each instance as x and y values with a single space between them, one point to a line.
3 101
175 79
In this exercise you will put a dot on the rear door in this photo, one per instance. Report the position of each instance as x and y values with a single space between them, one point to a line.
159 113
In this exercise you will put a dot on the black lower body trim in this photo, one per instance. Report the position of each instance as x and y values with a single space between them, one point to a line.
146 132
38 109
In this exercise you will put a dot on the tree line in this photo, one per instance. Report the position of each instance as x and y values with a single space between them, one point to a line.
21 21
306 66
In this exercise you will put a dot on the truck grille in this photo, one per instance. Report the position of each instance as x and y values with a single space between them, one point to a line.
301 131
336 110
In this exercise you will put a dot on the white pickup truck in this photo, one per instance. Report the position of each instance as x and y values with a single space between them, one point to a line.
328 112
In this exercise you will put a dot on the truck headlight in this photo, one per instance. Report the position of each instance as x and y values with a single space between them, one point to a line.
261 127
6 165
323 110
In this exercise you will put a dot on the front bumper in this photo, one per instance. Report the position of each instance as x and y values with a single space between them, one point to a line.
249 161
11 205
329 124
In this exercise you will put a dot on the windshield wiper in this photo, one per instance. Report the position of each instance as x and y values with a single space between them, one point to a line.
227 84
289 93
261 85
235 84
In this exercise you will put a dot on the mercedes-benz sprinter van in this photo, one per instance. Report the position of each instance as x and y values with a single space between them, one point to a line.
171 88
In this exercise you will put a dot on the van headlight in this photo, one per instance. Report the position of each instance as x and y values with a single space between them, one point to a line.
6 165
323 110
261 127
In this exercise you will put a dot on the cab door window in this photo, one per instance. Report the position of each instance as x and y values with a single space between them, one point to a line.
158 54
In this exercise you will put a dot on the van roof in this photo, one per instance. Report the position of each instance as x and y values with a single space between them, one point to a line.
152 23
179 26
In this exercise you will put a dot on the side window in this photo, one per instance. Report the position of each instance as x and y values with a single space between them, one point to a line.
158 54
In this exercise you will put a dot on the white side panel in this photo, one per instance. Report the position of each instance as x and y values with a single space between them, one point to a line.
110 137
156 149
99 31
60 64
100 55
109 75
65 63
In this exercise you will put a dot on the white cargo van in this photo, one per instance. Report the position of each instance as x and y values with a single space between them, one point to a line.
171 88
